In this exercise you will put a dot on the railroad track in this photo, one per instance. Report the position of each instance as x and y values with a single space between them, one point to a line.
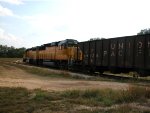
116 76
121 77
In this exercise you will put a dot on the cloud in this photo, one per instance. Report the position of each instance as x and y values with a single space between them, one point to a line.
10 39
6 36
16 2
46 23
5 11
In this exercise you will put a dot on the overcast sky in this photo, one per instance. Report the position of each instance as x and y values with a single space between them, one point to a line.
28 23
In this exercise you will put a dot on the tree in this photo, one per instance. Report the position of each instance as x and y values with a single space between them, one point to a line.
144 31
11 52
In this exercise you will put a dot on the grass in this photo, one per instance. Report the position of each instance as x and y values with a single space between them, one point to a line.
21 100
108 97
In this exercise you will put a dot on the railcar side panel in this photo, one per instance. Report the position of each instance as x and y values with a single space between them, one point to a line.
129 52
92 52
147 52
81 47
86 52
105 53
99 52
113 52
139 51
121 52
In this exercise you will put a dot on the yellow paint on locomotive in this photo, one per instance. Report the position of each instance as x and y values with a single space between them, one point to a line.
59 53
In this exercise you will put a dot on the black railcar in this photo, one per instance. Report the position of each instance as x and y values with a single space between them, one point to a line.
121 54
147 52
98 53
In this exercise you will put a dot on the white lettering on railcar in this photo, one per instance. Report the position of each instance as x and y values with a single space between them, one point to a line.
113 46
105 53
140 44
120 46
120 49
112 53
139 48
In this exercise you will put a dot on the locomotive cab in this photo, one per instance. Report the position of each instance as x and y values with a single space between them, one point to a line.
69 48
68 43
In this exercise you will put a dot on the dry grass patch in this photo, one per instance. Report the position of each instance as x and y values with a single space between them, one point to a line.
42 71
20 100
108 97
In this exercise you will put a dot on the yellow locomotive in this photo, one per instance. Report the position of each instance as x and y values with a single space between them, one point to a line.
63 53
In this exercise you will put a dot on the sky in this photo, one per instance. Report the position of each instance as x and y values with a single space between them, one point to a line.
29 23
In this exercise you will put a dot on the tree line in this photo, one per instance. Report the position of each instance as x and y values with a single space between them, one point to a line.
11 52
144 31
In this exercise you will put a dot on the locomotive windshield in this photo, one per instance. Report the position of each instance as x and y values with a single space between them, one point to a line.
68 43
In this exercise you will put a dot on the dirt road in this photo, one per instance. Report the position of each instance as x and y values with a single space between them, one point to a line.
11 76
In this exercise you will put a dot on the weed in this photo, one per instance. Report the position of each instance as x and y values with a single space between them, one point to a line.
91 94
40 95
21 100
133 93
71 94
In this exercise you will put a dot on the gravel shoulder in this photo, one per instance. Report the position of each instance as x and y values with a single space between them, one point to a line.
11 76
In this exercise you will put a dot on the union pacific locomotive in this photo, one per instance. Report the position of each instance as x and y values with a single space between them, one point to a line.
61 54
118 55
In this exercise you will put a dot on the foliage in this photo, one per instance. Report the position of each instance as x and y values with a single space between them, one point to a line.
144 31
107 97
21 100
11 52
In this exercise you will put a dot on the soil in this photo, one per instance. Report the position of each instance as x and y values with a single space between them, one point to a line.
11 76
